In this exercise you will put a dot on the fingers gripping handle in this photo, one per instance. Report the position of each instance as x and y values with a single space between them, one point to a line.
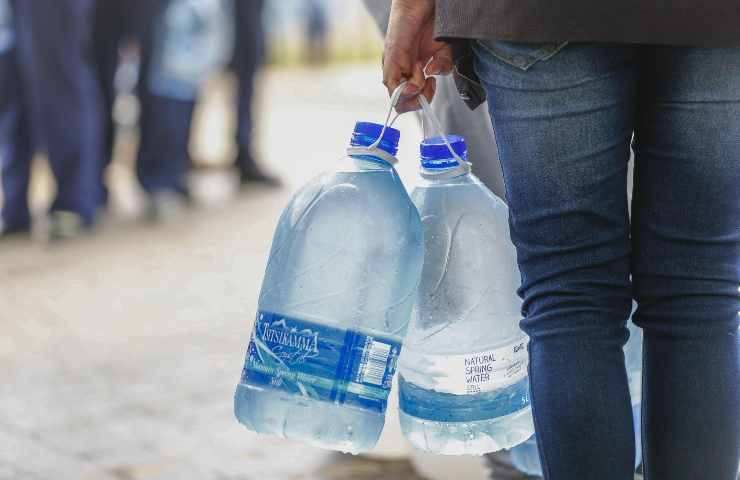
427 115
395 97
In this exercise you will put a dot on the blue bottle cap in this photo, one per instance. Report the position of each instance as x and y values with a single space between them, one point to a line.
366 133
435 155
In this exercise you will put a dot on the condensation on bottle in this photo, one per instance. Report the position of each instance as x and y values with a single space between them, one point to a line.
463 375
335 303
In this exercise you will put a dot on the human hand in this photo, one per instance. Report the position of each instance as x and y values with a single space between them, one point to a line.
411 53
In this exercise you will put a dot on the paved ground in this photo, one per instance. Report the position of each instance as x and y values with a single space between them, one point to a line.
119 353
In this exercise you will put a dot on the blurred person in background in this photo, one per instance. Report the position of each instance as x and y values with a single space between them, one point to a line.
58 89
183 42
316 32
115 28
249 53
15 134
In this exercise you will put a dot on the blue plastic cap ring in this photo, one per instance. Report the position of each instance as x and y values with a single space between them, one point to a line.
435 155
367 133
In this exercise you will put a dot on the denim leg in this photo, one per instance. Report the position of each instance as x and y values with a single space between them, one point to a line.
248 56
686 262
111 25
15 146
563 121
54 46
163 160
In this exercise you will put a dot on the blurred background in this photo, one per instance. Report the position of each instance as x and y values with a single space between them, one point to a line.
147 148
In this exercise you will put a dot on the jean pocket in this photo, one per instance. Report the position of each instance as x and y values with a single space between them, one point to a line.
519 54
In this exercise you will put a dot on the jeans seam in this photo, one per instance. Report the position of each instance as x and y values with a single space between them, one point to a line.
541 451
645 469
503 58
560 46
539 55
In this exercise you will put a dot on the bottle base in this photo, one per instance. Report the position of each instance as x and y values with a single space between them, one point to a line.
315 422
468 438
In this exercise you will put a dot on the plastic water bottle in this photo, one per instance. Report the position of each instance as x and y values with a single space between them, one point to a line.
525 457
463 376
633 362
193 39
335 304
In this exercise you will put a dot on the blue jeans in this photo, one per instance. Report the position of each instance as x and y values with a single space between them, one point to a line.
163 161
63 98
564 117
15 146
248 54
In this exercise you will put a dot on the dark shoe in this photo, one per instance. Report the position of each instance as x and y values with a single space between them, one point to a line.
65 225
250 173
9 232
256 176
165 206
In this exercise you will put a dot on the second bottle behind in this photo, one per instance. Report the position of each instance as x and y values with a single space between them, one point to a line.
463 375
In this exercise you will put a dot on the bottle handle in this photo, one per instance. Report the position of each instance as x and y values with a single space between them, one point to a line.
428 115
373 149
395 97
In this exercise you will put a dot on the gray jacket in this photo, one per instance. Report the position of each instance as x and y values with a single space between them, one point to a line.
709 23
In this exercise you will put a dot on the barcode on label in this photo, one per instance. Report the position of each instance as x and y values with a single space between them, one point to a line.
377 360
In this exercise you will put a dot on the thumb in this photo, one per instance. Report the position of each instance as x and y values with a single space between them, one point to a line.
417 83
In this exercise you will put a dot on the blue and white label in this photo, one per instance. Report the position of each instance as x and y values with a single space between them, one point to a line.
480 372
321 362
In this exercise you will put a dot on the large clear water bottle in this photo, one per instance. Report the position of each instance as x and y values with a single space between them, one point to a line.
463 376
525 456
633 362
193 38
335 304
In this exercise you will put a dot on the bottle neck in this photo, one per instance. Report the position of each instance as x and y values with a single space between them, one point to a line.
443 174
364 163
375 154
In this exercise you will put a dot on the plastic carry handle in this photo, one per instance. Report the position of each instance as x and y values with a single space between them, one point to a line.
373 149
463 165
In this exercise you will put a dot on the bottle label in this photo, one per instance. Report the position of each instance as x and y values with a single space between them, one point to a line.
321 362
480 372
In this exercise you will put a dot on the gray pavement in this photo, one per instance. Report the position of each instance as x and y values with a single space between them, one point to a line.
119 352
